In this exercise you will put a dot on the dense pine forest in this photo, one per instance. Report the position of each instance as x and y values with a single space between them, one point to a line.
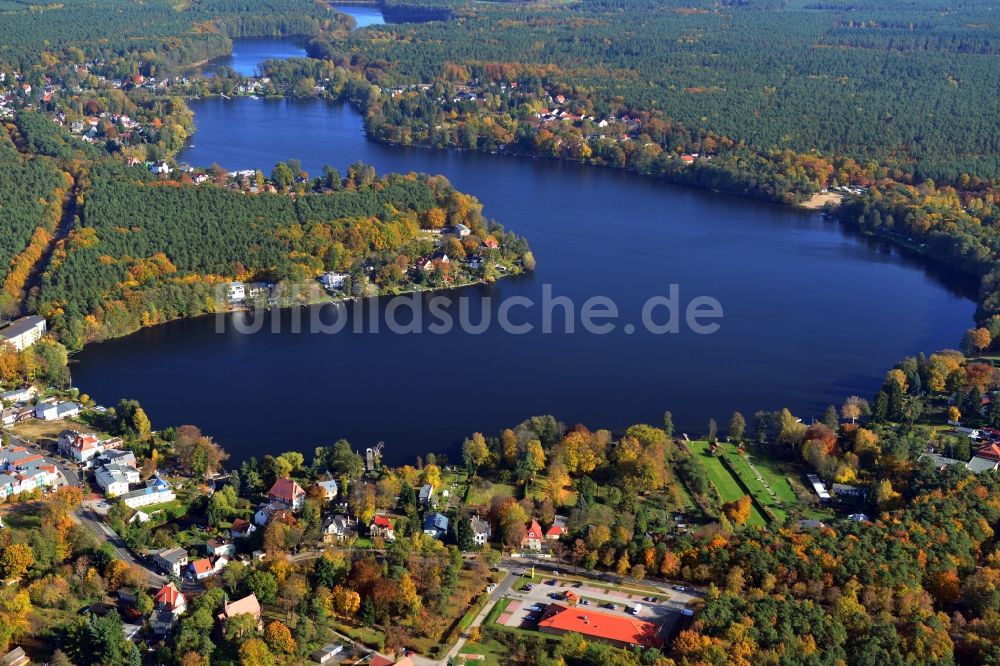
909 85
148 250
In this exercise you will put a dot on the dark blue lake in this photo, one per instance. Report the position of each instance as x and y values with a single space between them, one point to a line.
812 313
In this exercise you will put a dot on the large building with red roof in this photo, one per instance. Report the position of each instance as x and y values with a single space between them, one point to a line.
619 630
287 492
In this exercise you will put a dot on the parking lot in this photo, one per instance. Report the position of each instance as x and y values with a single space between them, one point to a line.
527 606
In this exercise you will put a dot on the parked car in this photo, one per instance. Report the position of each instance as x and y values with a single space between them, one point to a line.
585 602
680 588
529 587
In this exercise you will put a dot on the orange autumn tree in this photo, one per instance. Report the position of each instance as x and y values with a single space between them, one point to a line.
737 511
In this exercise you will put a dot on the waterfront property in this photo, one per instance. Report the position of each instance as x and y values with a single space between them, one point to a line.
682 230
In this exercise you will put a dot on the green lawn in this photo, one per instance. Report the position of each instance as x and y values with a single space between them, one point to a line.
482 496
727 485
783 498
493 651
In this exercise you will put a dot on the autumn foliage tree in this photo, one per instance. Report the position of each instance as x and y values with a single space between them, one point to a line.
738 511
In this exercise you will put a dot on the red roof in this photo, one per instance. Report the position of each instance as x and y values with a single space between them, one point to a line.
382 521
86 442
991 452
201 566
555 531
592 623
239 525
169 595
534 530
285 490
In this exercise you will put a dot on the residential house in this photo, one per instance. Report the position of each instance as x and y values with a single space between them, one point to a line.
202 569
287 492
236 292
533 537
557 529
334 280
17 415
436 525
49 411
273 511
81 447
245 606
426 496
157 491
115 480
159 168
382 527
461 230
845 490
171 560
116 456
24 332
137 516
218 548
619 630
241 528
16 657
220 563
329 488
336 528
170 599
481 530
986 459
18 395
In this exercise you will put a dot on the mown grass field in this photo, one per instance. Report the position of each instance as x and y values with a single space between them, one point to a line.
727 485
783 498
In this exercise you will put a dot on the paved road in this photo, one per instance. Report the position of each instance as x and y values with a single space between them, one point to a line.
89 518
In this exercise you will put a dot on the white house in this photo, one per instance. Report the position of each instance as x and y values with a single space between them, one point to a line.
52 411
81 447
172 560
337 527
236 292
202 569
426 495
115 480
217 548
157 491
18 395
481 530
333 280
329 488
24 332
